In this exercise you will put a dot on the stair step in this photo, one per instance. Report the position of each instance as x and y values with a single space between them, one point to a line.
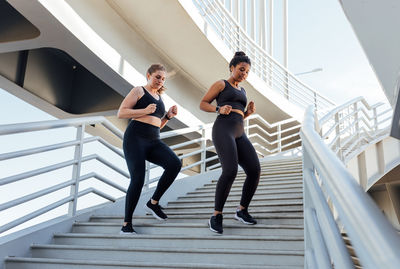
231 207
239 193
266 178
183 241
191 229
169 255
271 218
255 200
261 184
231 210
211 188
43 263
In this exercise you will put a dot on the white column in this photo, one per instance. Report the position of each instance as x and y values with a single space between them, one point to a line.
243 14
271 28
235 10
253 19
261 29
285 33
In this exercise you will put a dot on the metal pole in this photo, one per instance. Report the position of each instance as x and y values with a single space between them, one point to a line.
76 170
147 176
271 28
203 151
253 19
261 29
279 138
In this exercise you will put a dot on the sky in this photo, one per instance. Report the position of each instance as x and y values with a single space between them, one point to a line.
319 37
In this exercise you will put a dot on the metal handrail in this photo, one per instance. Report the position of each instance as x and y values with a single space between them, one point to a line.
263 65
354 125
326 178
282 132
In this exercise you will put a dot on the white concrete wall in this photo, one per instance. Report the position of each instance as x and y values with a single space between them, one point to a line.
376 25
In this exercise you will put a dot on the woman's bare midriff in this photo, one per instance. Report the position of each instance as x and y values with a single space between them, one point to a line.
237 111
150 120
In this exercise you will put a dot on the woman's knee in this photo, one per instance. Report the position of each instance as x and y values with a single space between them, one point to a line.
173 164
229 172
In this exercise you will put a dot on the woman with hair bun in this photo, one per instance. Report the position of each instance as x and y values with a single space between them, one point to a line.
145 107
231 143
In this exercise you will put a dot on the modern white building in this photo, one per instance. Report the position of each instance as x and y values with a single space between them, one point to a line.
329 193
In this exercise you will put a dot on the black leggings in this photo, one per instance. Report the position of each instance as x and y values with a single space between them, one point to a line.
233 148
142 142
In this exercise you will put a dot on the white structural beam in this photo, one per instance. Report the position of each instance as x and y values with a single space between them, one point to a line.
243 14
285 33
253 19
271 28
261 28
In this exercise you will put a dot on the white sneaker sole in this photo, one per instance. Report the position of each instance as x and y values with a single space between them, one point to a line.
243 221
212 230
150 211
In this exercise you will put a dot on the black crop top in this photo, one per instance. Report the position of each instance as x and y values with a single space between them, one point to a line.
148 99
233 97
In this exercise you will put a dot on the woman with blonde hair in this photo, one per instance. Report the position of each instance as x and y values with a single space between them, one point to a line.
145 107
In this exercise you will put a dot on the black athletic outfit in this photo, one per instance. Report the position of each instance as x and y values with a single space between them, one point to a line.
233 148
142 142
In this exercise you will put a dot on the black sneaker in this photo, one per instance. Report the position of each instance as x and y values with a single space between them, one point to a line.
215 224
244 216
155 210
127 229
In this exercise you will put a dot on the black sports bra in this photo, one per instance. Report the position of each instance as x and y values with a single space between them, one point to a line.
233 97
148 99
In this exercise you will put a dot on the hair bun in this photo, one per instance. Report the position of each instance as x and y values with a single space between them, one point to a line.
239 54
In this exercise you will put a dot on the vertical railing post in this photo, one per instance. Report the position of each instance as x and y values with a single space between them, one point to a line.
356 120
147 176
279 130
315 101
76 170
246 126
203 150
375 120
337 131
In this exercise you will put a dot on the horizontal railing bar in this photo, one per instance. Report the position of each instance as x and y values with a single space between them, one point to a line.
36 172
112 166
95 191
186 143
35 195
34 214
111 147
214 166
184 131
332 237
45 125
109 182
42 149
190 154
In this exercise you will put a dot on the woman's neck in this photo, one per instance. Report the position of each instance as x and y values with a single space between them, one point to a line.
232 81
153 91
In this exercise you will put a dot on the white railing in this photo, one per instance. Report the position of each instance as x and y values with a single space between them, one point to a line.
351 127
263 65
328 188
266 138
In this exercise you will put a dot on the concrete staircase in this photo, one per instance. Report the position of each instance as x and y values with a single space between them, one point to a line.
185 241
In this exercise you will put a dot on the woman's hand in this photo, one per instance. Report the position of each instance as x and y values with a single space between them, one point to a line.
150 108
172 112
225 110
251 108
